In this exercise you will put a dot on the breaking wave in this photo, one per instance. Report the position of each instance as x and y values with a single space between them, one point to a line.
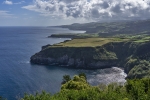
106 76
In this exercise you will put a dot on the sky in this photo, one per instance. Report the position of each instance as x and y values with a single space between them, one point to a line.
61 12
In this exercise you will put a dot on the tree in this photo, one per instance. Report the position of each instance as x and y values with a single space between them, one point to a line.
83 75
66 78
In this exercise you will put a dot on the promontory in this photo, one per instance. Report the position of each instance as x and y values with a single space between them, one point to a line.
130 53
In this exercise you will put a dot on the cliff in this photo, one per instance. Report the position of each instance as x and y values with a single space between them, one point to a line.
133 56
76 57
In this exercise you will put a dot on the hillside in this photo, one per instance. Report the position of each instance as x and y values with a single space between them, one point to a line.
112 28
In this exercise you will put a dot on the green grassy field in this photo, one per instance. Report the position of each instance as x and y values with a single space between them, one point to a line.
97 41
88 42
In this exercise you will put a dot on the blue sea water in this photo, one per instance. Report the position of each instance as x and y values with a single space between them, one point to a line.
18 76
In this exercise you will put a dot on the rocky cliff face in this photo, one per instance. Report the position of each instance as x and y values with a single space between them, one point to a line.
72 62
132 56
111 54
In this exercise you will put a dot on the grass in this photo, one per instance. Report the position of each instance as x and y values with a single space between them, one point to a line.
88 42
93 40
143 39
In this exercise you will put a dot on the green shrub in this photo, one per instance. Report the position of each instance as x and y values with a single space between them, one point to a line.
79 89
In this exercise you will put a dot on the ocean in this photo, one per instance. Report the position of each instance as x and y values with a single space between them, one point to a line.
18 76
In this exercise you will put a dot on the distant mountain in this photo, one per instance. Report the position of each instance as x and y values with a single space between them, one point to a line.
112 28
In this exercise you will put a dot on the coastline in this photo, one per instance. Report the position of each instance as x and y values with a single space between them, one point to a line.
76 57
89 51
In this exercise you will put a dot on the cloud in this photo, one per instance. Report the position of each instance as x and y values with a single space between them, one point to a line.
5 14
92 9
21 2
7 2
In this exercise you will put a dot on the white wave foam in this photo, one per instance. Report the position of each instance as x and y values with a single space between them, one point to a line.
106 76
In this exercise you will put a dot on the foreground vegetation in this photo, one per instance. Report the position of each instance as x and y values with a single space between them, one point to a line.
1 98
79 89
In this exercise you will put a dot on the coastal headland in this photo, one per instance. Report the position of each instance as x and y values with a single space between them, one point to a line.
97 53
103 45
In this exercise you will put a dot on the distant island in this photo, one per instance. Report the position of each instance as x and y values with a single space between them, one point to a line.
123 44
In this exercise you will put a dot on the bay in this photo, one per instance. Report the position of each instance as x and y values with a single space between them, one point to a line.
18 76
